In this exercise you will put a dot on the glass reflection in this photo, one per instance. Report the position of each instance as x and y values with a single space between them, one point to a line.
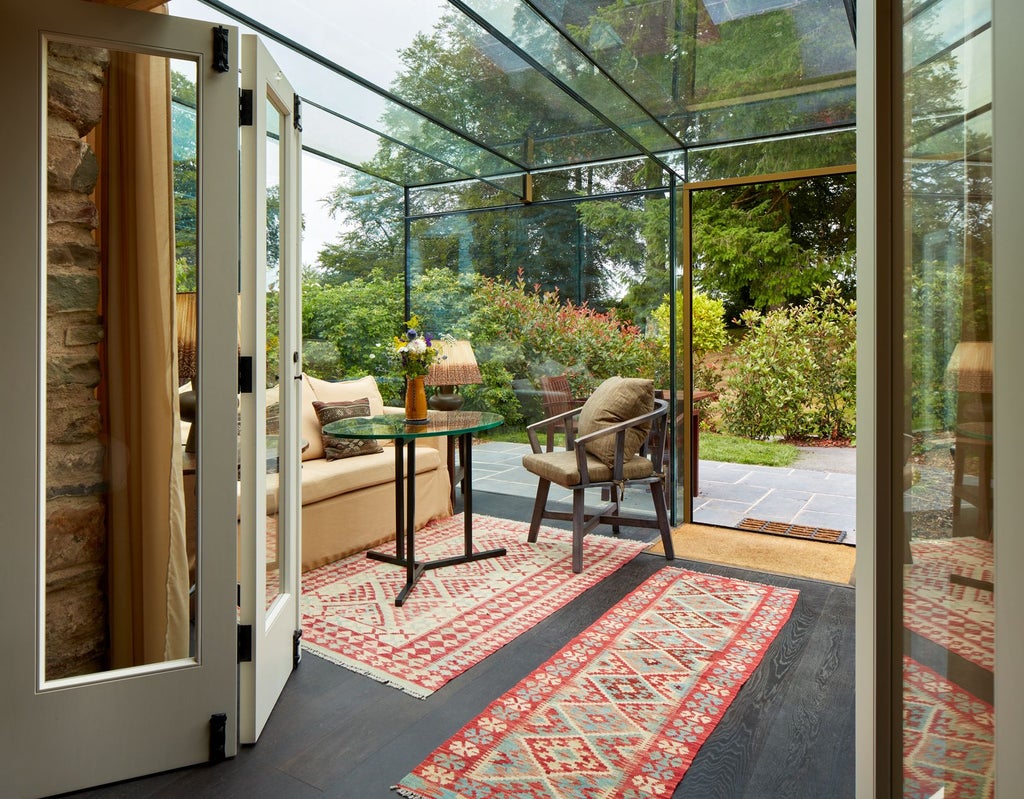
948 478
120 547
271 325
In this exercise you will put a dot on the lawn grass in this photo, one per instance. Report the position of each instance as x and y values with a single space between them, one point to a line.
732 449
713 447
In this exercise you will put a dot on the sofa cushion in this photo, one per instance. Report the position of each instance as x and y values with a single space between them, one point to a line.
322 479
348 390
338 448
310 424
616 400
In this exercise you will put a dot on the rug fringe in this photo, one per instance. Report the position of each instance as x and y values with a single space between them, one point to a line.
406 792
409 688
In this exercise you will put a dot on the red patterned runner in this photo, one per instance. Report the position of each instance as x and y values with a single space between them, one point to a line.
621 710
948 738
959 617
456 616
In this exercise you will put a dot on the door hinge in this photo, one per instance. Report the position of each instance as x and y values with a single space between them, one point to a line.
218 736
245 643
221 55
296 649
245 374
297 113
245 107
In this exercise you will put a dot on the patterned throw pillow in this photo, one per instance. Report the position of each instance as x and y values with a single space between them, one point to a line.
338 448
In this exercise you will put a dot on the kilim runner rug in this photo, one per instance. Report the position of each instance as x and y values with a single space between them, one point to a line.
955 615
948 738
623 708
455 616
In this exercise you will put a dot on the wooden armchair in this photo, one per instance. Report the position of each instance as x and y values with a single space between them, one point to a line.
622 431
557 398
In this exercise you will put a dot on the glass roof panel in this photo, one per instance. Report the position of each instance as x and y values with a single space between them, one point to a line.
740 57
489 88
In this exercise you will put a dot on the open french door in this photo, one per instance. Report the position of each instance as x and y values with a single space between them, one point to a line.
270 444
118 574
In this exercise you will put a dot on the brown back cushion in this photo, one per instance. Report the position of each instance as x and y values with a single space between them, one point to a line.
616 400
337 448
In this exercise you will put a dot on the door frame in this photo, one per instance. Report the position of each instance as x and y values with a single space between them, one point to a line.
275 630
120 724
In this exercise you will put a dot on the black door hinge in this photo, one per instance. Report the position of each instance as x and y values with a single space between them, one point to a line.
221 56
297 113
218 736
245 107
245 643
296 649
245 374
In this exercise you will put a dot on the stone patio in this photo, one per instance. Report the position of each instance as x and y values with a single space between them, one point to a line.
818 491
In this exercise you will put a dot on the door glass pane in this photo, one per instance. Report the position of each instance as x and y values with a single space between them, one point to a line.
272 324
120 517
773 332
947 663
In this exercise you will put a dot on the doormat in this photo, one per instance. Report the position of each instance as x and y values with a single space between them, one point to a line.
956 614
624 707
455 616
762 553
793 530
948 737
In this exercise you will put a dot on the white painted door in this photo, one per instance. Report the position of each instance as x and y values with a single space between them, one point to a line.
72 714
270 444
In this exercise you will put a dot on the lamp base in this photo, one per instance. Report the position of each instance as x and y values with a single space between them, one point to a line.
446 398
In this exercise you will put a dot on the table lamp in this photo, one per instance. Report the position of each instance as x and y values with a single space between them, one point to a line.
188 362
457 367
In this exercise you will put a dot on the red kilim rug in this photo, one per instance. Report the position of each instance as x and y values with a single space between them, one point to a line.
455 616
948 738
958 617
623 708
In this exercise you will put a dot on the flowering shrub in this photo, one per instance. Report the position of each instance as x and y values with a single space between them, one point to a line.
414 353
532 333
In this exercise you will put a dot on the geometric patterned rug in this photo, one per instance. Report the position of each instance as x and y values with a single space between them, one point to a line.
621 710
455 616
948 738
956 616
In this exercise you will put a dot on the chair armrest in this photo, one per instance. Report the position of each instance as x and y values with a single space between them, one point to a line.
619 431
531 429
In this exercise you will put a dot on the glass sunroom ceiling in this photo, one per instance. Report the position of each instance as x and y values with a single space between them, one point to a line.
426 91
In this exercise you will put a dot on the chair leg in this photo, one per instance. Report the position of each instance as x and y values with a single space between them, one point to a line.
538 509
660 509
615 497
578 520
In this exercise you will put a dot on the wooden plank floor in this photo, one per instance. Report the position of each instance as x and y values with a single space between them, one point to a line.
789 733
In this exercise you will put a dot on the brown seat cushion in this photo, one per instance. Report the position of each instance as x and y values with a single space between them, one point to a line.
616 400
562 469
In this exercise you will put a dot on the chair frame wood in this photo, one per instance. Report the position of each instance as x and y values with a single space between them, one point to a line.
611 512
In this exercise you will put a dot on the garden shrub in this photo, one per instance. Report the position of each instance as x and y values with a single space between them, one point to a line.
795 371
708 335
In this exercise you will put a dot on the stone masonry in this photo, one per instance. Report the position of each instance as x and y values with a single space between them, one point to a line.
76 525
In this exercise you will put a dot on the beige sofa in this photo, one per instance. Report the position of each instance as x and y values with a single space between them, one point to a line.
348 505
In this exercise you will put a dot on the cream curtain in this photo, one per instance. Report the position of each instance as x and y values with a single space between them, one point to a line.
149 582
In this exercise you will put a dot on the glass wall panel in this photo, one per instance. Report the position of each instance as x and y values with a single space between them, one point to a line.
947 659
772 156
556 288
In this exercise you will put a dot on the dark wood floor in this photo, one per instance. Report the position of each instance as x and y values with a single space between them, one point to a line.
789 733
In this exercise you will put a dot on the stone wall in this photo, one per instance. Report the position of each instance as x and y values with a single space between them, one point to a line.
76 529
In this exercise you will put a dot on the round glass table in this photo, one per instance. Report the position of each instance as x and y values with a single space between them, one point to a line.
459 424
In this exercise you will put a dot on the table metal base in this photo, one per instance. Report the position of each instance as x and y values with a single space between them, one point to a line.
405 521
